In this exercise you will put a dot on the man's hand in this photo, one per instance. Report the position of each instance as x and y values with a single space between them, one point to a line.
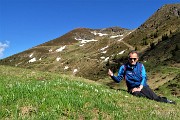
110 73
137 89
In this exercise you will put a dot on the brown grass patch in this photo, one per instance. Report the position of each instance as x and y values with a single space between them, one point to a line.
27 111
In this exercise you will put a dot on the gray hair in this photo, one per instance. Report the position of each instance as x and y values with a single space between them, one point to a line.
132 52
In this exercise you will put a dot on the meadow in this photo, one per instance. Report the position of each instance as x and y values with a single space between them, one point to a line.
33 95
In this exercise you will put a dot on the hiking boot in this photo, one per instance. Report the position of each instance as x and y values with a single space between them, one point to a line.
171 102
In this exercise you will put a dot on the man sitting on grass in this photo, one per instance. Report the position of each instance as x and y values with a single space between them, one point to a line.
135 76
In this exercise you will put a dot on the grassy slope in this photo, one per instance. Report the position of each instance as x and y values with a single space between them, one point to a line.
27 94
171 87
163 65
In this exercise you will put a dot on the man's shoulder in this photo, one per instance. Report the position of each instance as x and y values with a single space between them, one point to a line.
140 64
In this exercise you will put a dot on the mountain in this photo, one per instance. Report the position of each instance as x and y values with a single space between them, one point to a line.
90 52
81 51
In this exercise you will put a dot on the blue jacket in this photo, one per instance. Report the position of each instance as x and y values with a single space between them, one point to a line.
135 75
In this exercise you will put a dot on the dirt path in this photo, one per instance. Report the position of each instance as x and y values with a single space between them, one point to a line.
130 46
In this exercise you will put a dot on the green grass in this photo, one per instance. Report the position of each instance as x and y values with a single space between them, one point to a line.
34 95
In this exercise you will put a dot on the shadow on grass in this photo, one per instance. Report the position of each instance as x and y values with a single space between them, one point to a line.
117 86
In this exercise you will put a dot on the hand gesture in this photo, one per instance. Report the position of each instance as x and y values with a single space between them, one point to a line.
110 73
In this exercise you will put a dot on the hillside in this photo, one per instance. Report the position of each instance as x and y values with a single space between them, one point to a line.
162 23
166 53
29 94
78 52
89 53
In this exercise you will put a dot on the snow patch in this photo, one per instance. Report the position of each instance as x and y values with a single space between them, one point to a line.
120 39
102 57
104 52
31 55
75 70
61 49
32 60
129 33
102 49
18 64
106 59
100 34
66 67
85 41
116 36
81 45
58 59
121 52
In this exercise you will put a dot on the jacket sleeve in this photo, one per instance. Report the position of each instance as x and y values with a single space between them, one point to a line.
143 74
120 75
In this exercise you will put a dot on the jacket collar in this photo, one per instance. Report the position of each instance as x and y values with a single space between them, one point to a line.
131 66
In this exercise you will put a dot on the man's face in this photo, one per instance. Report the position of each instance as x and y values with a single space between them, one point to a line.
133 58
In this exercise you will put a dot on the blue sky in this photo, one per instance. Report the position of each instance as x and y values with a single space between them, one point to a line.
28 23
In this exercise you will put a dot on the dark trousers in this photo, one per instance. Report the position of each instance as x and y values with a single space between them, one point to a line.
148 93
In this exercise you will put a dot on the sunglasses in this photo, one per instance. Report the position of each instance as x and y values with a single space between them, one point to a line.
133 59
